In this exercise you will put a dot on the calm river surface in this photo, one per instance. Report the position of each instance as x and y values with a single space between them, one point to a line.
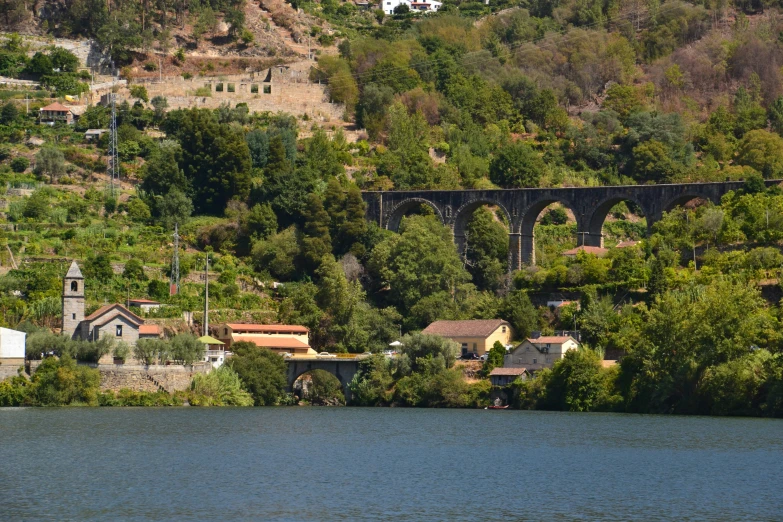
384 464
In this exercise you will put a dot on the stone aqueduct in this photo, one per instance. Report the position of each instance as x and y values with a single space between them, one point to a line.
522 207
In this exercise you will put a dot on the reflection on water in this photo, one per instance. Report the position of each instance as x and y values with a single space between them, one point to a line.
384 464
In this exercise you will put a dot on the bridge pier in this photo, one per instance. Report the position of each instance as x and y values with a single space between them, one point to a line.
514 251
527 247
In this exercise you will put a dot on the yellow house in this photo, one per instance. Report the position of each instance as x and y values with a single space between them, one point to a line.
474 336
281 338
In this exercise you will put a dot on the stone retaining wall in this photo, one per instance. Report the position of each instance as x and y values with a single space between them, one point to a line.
8 370
115 377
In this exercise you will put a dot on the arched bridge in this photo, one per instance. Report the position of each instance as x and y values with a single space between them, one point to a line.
342 368
521 207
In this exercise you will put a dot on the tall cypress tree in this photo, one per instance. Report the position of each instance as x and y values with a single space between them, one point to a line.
354 226
316 240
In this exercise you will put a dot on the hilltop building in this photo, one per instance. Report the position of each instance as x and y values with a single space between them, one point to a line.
414 5
112 320
474 336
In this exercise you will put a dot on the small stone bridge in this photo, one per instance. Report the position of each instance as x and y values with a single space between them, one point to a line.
522 207
342 368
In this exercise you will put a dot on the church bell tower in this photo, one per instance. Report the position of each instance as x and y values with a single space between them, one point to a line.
73 301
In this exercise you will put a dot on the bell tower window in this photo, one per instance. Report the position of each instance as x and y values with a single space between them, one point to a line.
74 286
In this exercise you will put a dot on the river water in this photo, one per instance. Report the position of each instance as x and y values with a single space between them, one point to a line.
384 464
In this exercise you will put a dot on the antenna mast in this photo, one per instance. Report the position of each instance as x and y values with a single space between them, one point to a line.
114 164
174 287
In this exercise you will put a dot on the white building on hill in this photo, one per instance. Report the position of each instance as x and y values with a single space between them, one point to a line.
414 5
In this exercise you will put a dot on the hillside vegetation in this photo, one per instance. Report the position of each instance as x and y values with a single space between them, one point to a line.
506 95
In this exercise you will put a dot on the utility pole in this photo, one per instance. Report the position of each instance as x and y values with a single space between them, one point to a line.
174 285
206 296
114 164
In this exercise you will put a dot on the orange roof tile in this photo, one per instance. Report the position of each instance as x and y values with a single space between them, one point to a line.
551 339
56 107
469 328
149 329
268 328
272 342
106 308
507 371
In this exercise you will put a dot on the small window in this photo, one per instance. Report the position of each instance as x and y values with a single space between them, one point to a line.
253 89
504 329
219 87
73 316
535 361
74 286
225 331
475 349
118 332
267 89
231 87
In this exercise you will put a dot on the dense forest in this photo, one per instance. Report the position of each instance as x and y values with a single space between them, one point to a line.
510 94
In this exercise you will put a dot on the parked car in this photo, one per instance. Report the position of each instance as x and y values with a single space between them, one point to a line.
327 355
470 356
484 357
389 353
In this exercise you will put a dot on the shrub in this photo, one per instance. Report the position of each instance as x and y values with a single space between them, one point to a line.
20 164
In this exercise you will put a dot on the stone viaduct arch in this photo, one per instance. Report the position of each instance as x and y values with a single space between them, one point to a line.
590 206
343 369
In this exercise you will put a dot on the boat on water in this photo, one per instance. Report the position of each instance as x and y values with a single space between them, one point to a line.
497 407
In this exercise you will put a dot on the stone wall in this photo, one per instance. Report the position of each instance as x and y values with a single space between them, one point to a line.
9 369
115 377
277 90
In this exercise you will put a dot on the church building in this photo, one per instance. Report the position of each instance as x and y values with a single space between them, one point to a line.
112 320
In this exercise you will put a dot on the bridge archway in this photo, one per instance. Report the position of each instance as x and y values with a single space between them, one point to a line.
527 238
343 370
405 208
592 234
463 215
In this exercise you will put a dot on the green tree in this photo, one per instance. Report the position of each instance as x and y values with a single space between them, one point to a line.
419 262
517 309
495 357
59 382
324 388
162 172
276 254
134 270
763 151
516 165
263 372
215 158
186 349
9 113
50 161
487 249
353 230
174 207
578 383
98 267
316 241
221 387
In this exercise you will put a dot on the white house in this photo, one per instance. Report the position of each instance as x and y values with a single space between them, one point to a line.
12 346
542 352
414 5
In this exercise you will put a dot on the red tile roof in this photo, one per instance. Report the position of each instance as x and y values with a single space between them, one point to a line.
268 328
272 342
507 371
56 107
107 308
551 339
149 329
470 328
626 244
